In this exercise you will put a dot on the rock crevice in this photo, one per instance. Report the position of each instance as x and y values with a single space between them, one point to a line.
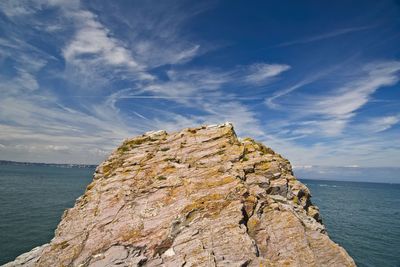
198 197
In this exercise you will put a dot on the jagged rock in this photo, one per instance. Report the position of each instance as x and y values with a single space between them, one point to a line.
199 197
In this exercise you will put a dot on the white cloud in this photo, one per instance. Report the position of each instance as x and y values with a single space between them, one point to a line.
340 106
38 125
332 127
154 53
355 149
379 124
14 8
189 83
199 90
386 123
185 55
303 166
93 45
93 38
333 118
23 82
23 8
237 113
214 112
186 85
324 36
259 73
57 147
346 100
43 126
270 100
332 111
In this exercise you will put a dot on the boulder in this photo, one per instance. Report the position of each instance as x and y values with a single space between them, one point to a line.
198 197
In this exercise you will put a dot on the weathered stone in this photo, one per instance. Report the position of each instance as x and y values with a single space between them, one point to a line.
27 259
313 212
199 197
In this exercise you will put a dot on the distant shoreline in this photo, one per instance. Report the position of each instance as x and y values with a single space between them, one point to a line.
304 180
61 165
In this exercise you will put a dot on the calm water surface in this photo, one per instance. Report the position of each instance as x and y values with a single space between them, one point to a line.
362 217
32 200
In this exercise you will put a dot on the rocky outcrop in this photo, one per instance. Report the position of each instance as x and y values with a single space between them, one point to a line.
199 197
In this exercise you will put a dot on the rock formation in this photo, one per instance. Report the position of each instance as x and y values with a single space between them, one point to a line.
199 197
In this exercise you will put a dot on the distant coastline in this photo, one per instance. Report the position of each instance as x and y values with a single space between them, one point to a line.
60 165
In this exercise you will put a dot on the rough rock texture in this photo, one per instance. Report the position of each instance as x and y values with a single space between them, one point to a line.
199 197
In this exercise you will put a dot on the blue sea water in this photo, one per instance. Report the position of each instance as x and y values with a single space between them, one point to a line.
32 200
364 218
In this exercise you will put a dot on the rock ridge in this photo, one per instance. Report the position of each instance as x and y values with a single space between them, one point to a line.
198 197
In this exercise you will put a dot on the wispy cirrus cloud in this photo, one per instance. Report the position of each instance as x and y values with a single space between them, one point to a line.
270 101
356 148
379 124
156 37
81 76
93 41
214 112
343 102
197 82
95 57
330 112
260 72
94 45
39 123
338 107
15 9
324 36
23 82
202 91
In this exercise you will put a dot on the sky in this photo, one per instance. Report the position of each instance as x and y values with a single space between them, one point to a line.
318 81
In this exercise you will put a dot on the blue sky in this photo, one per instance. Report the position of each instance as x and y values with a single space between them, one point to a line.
318 81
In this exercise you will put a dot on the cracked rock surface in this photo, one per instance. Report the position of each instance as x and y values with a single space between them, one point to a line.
198 197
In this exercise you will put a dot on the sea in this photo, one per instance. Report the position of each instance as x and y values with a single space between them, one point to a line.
364 218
